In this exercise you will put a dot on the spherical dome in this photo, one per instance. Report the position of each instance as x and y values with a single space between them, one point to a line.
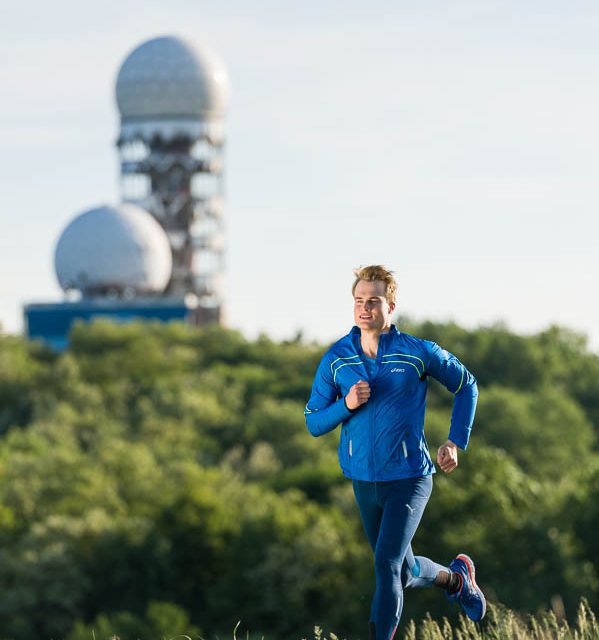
169 77
113 250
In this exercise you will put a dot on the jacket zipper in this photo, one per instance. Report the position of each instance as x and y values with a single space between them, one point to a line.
372 415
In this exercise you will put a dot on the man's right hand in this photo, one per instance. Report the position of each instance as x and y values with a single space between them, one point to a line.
357 395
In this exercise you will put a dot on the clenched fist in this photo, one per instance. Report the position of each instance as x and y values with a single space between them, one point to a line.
447 456
357 395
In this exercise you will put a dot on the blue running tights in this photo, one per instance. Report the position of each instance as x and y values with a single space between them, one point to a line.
391 512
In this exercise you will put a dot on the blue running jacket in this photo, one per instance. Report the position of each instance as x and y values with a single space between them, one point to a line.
383 439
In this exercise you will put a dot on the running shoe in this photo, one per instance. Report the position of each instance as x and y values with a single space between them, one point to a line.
469 595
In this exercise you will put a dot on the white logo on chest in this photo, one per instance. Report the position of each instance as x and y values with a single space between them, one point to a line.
396 370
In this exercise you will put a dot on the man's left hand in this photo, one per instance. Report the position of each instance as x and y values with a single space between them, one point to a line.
447 456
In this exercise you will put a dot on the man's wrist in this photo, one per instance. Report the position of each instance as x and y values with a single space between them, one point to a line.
345 403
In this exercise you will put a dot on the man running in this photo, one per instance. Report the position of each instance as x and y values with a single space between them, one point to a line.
373 383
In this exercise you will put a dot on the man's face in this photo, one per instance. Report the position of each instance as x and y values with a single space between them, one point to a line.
371 309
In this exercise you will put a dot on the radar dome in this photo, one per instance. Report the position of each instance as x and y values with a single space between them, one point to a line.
113 250
170 77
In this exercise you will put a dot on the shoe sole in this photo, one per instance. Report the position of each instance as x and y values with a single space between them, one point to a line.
467 560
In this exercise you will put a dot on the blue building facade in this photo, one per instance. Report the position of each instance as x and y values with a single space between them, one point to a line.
51 323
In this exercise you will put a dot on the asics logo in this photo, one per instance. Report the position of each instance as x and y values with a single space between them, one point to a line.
396 370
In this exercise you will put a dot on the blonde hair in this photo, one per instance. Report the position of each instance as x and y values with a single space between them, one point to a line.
375 272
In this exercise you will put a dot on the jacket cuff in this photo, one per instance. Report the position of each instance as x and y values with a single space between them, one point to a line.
342 410
459 437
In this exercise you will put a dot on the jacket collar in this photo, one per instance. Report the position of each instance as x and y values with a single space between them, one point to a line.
356 331
384 338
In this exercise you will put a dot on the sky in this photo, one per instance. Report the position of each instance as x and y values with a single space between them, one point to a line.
455 142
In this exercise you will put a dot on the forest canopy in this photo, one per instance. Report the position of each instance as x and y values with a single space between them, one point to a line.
161 478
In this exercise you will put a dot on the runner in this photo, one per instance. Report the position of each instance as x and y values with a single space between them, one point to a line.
373 383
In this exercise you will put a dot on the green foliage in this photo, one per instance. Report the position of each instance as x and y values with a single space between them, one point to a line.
504 624
162 620
156 479
543 431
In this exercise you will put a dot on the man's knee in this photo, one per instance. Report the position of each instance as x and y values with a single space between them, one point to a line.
386 566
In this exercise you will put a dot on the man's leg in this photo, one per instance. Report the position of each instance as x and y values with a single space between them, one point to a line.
403 503
419 572
370 511
371 514
458 581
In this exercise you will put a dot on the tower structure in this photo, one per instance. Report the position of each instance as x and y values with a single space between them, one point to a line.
112 262
172 98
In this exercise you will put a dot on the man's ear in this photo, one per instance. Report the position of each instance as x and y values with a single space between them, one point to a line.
391 307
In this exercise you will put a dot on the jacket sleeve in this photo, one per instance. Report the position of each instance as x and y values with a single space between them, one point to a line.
449 371
325 409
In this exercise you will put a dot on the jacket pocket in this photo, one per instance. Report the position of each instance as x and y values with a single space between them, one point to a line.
418 458
401 452
345 448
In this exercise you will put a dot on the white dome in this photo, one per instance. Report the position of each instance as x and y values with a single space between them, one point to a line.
113 250
171 78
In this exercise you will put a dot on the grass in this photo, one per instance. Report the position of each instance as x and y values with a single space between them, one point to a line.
499 624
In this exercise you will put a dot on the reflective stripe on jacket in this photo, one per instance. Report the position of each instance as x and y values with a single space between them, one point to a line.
383 439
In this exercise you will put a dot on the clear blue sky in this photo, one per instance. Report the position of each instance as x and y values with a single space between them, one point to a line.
455 142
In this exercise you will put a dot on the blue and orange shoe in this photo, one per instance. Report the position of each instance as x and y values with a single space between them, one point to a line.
468 594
